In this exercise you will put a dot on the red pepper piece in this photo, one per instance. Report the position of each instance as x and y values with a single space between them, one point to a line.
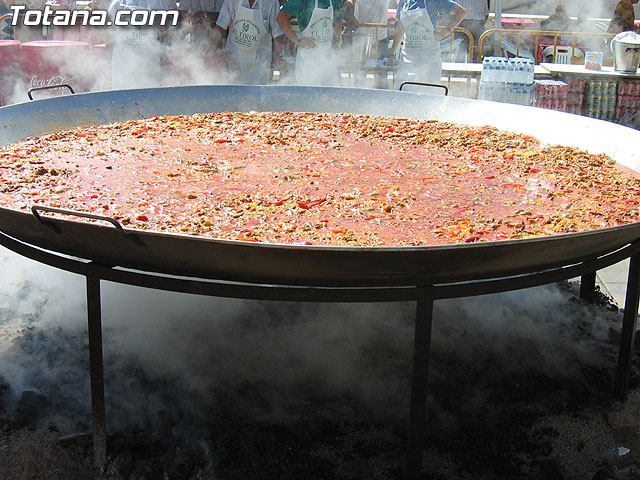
311 203
246 239
462 209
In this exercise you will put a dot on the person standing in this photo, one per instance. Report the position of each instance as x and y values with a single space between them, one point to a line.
319 21
474 21
376 12
623 17
136 52
203 15
559 21
416 29
249 26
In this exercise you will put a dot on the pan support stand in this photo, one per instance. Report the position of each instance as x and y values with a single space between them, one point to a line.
419 384
588 287
423 295
421 357
629 326
98 415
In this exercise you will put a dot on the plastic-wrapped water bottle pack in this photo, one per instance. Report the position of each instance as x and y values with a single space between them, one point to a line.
508 80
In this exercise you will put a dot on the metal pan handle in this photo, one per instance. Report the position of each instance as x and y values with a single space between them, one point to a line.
48 87
446 89
93 216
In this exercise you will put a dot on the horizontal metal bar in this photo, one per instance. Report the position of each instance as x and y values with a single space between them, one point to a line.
266 291
506 284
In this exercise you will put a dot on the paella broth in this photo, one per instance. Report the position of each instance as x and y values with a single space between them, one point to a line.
320 179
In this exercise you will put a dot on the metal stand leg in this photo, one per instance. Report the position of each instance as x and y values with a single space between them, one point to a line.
95 367
419 386
629 324
588 287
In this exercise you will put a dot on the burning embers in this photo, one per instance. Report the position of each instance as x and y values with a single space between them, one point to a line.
320 179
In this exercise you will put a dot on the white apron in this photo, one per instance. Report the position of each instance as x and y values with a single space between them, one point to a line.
421 61
249 35
318 65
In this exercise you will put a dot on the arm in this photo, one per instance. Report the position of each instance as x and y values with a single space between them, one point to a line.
457 15
348 13
276 57
397 40
283 20
218 34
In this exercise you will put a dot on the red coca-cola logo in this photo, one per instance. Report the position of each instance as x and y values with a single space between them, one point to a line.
48 82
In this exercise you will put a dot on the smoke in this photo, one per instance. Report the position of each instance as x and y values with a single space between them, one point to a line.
191 370
596 9
150 62
285 351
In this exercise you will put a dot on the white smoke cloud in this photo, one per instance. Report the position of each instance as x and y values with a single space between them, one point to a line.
595 9
363 350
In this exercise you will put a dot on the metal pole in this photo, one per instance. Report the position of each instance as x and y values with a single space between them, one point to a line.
588 286
419 385
96 370
629 324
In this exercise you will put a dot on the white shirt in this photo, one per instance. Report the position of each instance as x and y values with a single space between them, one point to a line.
194 6
372 11
141 5
476 9
270 9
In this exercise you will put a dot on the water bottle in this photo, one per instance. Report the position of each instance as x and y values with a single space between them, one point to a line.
511 93
513 70
493 92
530 72
493 70
486 67
522 72
500 70
519 96
482 89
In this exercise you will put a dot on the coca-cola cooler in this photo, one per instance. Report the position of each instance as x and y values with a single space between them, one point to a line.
48 63
9 69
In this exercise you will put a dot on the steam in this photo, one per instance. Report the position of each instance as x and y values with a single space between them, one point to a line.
177 61
596 9
209 345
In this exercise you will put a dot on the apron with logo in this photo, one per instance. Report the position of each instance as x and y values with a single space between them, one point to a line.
421 59
250 57
318 65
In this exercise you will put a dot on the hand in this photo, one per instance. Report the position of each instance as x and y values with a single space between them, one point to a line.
306 42
352 25
441 34
391 61
277 62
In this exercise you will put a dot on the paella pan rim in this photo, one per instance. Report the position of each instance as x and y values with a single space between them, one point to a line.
312 264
